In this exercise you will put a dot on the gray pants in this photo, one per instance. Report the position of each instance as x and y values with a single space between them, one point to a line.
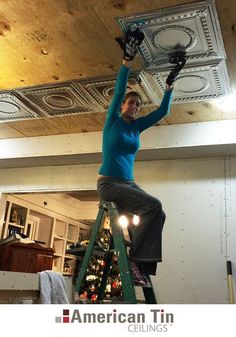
146 238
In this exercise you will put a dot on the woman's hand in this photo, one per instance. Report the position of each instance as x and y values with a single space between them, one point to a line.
169 87
130 43
126 63
175 72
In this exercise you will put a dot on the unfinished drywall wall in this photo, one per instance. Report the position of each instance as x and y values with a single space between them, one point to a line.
194 238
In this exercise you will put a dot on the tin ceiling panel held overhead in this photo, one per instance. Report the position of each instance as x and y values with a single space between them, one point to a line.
194 28
198 82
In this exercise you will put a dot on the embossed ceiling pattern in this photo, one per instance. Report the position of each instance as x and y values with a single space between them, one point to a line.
198 82
85 96
12 107
194 28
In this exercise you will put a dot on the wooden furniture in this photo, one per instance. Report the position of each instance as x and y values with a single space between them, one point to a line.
27 258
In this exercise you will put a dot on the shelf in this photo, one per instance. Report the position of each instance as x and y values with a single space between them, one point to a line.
70 241
56 255
69 257
14 224
56 237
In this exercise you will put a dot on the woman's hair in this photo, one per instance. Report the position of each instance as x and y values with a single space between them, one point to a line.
132 94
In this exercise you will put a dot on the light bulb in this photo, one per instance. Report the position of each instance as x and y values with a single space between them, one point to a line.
123 221
136 219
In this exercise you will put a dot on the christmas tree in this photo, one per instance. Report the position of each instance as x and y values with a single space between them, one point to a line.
93 279
90 287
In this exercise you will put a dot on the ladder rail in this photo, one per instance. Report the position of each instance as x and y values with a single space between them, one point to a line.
120 249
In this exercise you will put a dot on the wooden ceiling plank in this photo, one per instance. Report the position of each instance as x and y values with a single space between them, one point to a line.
60 125
7 131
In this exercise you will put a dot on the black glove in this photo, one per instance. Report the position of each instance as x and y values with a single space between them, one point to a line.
175 72
130 43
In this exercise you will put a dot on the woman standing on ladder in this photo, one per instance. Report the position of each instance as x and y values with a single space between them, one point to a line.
120 145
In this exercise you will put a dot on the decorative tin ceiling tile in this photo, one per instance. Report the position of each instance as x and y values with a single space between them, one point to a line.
196 83
59 99
13 109
193 27
102 90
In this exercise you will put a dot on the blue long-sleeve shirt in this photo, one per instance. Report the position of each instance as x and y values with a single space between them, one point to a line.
120 138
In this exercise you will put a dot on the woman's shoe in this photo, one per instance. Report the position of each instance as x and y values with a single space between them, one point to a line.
138 278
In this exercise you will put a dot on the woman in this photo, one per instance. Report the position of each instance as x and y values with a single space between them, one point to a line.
115 180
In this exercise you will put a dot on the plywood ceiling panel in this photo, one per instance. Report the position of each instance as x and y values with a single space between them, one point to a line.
57 126
52 41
